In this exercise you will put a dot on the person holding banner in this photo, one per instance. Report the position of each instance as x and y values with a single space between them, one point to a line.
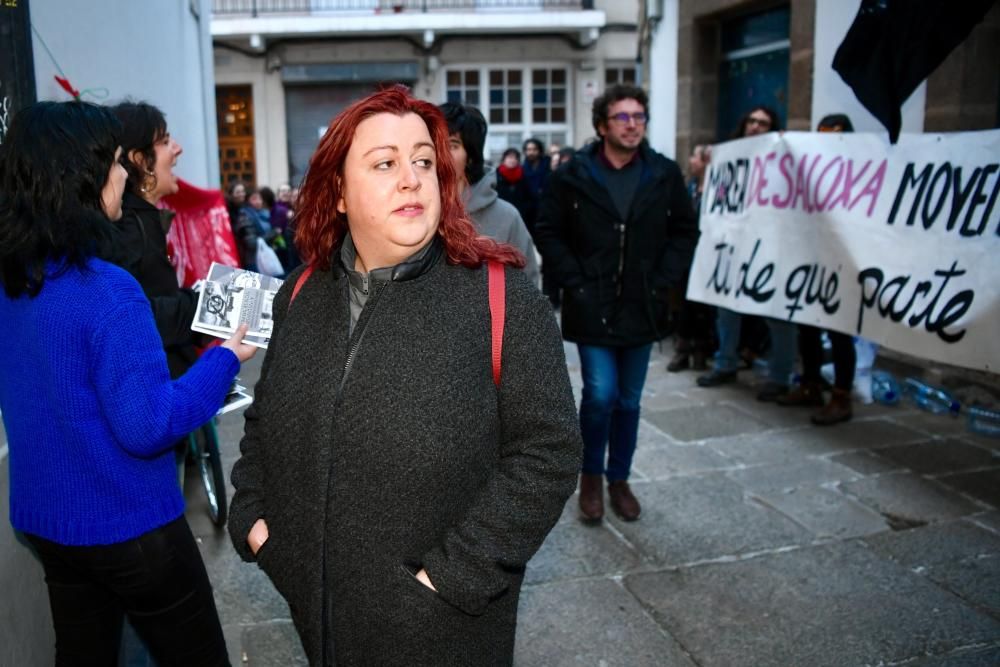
781 358
617 232
694 320
809 391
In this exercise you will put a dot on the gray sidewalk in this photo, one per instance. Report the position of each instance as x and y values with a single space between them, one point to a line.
763 541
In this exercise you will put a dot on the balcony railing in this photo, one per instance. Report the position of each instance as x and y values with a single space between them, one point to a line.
270 7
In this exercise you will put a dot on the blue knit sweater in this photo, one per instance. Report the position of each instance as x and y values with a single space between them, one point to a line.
90 410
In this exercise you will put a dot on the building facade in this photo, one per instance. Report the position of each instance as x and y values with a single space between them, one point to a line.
732 54
285 68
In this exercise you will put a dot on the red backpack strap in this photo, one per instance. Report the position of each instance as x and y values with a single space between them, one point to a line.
303 277
497 288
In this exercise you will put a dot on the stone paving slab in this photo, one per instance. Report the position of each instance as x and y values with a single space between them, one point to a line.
989 520
795 474
674 460
651 437
977 581
574 549
271 644
793 444
832 605
974 657
942 426
706 517
866 462
940 456
688 424
930 546
595 622
909 497
826 513
983 485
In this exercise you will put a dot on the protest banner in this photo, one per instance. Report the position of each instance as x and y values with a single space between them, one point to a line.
898 243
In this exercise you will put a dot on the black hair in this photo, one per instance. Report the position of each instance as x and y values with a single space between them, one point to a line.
837 120
511 151
232 186
538 143
54 163
741 127
566 152
267 194
616 93
470 126
142 126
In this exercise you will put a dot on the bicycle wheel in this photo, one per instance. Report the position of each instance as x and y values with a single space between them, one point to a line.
205 451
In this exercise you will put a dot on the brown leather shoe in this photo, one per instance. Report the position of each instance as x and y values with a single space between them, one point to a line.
625 505
591 497
836 411
806 393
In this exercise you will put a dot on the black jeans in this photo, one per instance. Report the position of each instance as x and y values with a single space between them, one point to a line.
158 579
844 357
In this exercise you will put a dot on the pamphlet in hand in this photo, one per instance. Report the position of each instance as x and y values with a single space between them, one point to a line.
235 399
230 297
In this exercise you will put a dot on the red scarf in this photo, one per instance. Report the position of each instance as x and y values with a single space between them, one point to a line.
511 175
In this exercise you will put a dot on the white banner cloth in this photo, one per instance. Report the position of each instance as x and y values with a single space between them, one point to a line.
898 244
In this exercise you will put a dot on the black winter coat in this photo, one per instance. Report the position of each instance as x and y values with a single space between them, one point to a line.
616 274
140 247
413 459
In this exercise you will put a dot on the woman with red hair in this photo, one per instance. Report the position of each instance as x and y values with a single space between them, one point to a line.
391 486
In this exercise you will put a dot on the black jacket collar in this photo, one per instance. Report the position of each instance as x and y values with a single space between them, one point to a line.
417 265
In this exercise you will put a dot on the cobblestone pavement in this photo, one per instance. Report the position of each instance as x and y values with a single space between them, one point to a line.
763 541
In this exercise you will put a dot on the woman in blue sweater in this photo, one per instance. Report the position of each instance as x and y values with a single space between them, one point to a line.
90 411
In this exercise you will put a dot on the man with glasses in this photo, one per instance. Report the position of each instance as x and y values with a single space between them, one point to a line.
617 232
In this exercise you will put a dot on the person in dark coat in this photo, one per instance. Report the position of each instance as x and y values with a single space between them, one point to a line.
536 173
141 245
512 187
389 486
616 232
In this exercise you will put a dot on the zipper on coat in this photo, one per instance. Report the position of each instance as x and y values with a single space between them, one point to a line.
621 258
359 335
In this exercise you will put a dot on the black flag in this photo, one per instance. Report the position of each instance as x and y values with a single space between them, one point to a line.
893 45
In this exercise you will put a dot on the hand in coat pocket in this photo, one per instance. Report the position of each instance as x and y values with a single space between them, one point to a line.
424 579
258 535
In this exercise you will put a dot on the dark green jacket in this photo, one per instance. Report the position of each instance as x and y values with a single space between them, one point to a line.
414 459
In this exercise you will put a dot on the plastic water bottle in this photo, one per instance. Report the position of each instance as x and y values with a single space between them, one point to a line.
885 389
930 398
984 421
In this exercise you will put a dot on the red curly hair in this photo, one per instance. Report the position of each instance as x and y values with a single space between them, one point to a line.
321 228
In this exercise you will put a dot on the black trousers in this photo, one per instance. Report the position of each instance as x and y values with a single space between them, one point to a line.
844 356
158 580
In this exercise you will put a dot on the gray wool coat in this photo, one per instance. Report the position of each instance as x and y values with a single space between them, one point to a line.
414 459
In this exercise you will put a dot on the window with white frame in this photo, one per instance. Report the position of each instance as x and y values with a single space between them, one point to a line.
614 74
519 102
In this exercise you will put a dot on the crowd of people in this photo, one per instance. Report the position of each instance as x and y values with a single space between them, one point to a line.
413 436
261 220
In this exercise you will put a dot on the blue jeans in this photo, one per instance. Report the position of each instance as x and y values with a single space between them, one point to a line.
609 412
784 345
